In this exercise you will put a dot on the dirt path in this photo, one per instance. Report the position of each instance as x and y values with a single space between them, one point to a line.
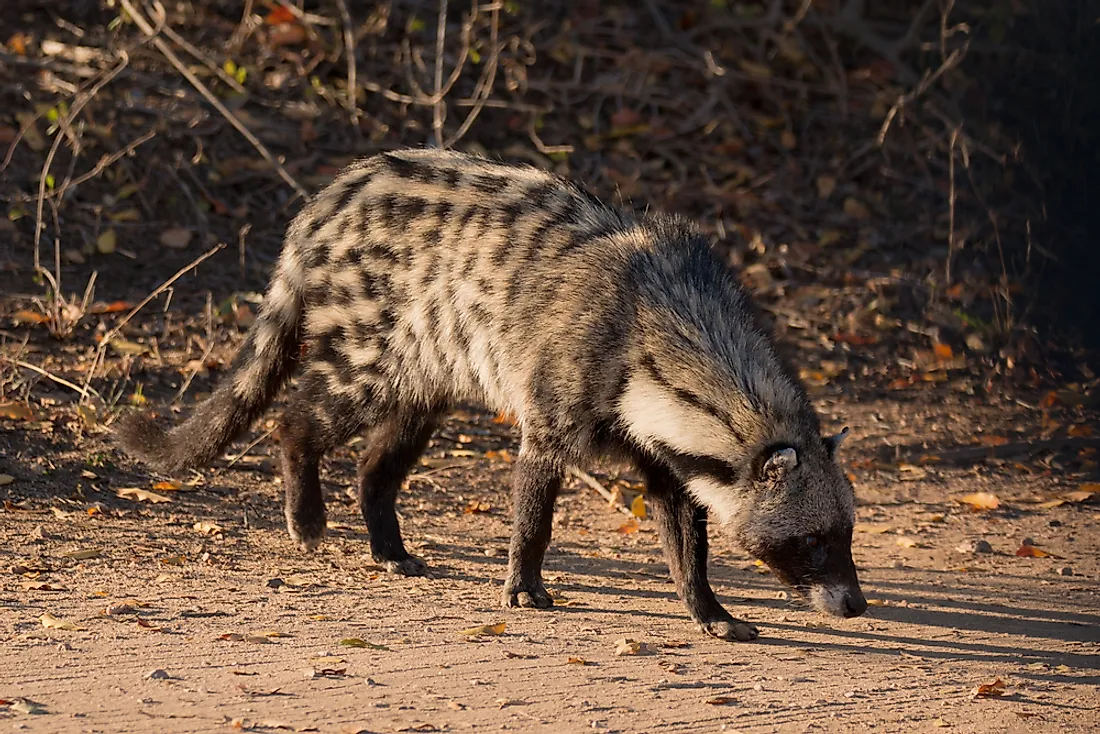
945 621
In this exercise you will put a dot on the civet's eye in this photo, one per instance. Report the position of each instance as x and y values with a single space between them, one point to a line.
812 541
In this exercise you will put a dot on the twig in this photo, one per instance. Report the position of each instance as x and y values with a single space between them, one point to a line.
104 163
206 60
78 105
439 109
594 483
951 197
84 391
106 340
349 51
202 89
484 87
249 447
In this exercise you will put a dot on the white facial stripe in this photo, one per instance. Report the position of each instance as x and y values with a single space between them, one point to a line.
829 599
651 413
716 497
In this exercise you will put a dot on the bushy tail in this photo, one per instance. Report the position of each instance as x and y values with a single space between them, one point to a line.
263 363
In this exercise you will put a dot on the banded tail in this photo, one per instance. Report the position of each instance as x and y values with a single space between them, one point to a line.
262 365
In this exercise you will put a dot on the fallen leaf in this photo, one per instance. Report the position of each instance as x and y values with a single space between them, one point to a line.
1081 430
27 707
147 625
279 14
112 307
326 661
168 486
627 646
753 68
856 209
51 622
876 603
208 528
637 507
942 351
106 242
476 507
1086 493
16 411
83 554
981 501
864 527
577 661
721 701
40 586
993 440
141 495
356 642
174 560
30 317
6 479
231 637
177 237
989 690
629 527
1030 551
488 630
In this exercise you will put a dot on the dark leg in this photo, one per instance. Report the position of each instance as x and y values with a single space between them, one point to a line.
393 448
304 439
683 528
535 486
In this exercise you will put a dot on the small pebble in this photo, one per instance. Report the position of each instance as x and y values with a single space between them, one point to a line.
157 674
275 583
1065 571
976 545
1027 541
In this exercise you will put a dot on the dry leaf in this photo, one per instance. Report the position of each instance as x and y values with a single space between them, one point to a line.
16 411
989 690
993 440
106 242
627 646
629 527
30 317
174 560
83 554
170 485
141 495
6 479
208 528
1081 430
856 209
356 642
637 507
40 586
177 238
51 622
1030 551
326 661
876 603
753 68
981 501
476 507
721 701
942 351
577 661
865 527
488 630
146 625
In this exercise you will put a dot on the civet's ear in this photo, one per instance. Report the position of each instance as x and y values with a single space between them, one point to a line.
833 442
779 464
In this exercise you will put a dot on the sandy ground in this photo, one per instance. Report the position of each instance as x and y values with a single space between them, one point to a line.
244 651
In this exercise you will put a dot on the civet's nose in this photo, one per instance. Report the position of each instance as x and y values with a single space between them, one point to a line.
855 603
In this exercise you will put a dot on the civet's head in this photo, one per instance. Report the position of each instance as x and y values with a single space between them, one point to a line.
786 501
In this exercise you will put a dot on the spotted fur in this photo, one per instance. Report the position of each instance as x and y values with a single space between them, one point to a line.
420 279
